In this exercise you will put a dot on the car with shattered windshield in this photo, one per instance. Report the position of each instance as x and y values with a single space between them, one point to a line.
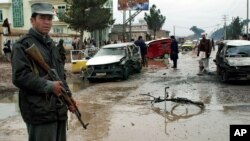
114 61
233 60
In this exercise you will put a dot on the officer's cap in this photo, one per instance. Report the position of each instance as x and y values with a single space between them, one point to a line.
42 8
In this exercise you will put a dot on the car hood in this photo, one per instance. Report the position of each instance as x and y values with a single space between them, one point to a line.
187 45
238 61
102 60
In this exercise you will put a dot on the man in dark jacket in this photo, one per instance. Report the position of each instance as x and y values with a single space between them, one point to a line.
204 51
62 50
7 50
174 51
42 111
143 47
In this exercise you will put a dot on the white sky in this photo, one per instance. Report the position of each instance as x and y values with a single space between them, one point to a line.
183 14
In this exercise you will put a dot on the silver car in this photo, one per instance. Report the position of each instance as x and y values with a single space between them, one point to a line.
233 60
114 61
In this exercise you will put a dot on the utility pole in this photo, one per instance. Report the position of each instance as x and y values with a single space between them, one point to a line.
130 24
225 26
247 16
124 25
174 30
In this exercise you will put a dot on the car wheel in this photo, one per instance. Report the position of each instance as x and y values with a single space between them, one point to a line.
138 69
91 80
125 73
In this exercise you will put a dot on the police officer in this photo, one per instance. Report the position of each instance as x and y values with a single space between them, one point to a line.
41 110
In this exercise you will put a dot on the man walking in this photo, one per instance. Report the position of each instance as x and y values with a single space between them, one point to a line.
174 51
42 111
143 48
204 51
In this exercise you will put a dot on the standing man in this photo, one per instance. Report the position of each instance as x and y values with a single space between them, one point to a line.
41 110
62 50
143 48
7 50
212 43
204 51
6 26
174 51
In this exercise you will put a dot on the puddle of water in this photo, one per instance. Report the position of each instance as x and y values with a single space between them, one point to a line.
76 85
9 106
175 111
241 108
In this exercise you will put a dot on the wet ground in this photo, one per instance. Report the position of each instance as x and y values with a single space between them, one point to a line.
117 111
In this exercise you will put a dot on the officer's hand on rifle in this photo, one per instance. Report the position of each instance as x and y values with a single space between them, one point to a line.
57 88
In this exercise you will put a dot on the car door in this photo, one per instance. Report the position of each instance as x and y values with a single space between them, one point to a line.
220 54
136 54
135 58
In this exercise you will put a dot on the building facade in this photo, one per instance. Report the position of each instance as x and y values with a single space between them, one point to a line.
18 13
137 29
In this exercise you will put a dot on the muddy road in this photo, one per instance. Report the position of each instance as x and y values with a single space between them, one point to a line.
116 111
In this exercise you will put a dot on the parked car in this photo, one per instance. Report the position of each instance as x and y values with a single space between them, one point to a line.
114 61
158 48
187 45
78 61
233 60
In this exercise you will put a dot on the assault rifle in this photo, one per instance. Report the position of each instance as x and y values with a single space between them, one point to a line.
36 56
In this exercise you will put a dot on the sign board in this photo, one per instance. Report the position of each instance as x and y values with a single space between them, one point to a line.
133 5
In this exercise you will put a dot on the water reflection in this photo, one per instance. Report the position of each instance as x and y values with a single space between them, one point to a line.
76 85
174 112
9 104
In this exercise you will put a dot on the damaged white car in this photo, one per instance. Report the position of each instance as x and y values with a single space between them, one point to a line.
233 60
114 61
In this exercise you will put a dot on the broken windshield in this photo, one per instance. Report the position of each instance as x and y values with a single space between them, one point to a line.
238 51
111 51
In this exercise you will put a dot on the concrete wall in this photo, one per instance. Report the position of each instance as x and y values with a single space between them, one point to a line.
16 35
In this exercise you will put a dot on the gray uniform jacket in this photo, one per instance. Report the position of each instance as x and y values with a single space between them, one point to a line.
37 103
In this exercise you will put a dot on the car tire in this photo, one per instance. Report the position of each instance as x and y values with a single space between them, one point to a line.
138 69
91 80
125 74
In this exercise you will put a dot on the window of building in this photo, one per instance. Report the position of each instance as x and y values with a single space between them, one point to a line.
61 9
58 29
17 6
1 15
